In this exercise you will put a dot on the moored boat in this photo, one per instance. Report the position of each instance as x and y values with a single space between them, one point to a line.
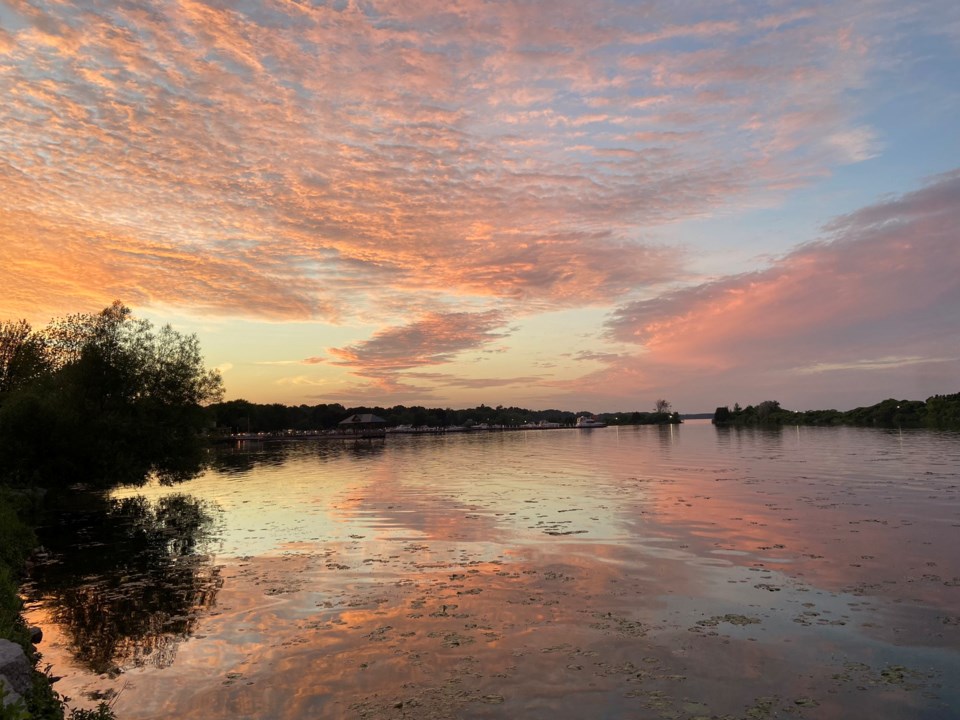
588 421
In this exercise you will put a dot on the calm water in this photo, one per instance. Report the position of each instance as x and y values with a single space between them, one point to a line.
676 572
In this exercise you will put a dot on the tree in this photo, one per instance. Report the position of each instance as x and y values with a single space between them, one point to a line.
661 406
23 355
766 409
113 402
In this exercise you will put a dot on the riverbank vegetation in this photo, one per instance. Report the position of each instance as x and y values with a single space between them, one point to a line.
941 412
91 401
242 416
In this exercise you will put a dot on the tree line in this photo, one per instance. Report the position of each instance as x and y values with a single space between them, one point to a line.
938 411
243 416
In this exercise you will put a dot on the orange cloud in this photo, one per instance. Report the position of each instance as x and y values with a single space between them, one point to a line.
356 153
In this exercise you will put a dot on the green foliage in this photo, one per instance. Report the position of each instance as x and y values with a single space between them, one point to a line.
102 712
16 542
13 711
889 413
11 626
24 355
943 412
112 401
940 411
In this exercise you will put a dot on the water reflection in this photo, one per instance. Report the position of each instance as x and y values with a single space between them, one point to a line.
127 579
662 572
243 457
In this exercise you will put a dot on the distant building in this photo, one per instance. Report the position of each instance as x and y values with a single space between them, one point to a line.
363 425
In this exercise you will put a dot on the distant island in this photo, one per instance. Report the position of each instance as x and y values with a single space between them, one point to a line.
242 416
940 412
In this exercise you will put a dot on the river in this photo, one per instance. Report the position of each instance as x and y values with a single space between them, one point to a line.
657 572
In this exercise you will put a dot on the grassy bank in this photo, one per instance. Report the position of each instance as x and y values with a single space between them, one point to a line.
17 541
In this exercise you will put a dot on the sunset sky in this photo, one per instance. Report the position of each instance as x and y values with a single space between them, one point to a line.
583 205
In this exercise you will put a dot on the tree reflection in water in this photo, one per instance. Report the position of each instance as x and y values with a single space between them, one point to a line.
244 457
127 579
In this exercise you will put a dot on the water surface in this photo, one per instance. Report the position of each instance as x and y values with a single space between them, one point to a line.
673 572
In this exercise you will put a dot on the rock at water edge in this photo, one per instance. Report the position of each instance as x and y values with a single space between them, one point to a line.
15 667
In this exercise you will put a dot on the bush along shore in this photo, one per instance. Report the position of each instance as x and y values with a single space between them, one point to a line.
940 412
25 692
92 400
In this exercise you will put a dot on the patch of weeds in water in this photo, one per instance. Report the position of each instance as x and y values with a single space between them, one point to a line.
895 675
732 619
763 707
612 623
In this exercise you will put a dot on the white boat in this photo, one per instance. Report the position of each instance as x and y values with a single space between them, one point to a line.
586 421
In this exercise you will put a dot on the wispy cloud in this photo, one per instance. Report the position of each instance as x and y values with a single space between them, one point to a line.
292 161
472 383
302 380
883 363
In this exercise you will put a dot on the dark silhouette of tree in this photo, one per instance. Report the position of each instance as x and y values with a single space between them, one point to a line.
108 401
23 355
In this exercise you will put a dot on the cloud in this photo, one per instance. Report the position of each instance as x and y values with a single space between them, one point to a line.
879 293
594 356
883 363
302 380
433 339
472 383
298 161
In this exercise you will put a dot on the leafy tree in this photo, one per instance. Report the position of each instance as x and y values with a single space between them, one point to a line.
112 401
943 412
721 415
23 355
767 409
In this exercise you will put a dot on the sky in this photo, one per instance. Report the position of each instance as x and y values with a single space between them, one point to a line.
550 204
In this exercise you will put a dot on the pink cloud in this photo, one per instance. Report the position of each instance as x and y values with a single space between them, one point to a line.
879 294
434 339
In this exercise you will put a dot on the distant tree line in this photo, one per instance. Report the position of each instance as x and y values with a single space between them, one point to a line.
245 416
939 412
101 399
